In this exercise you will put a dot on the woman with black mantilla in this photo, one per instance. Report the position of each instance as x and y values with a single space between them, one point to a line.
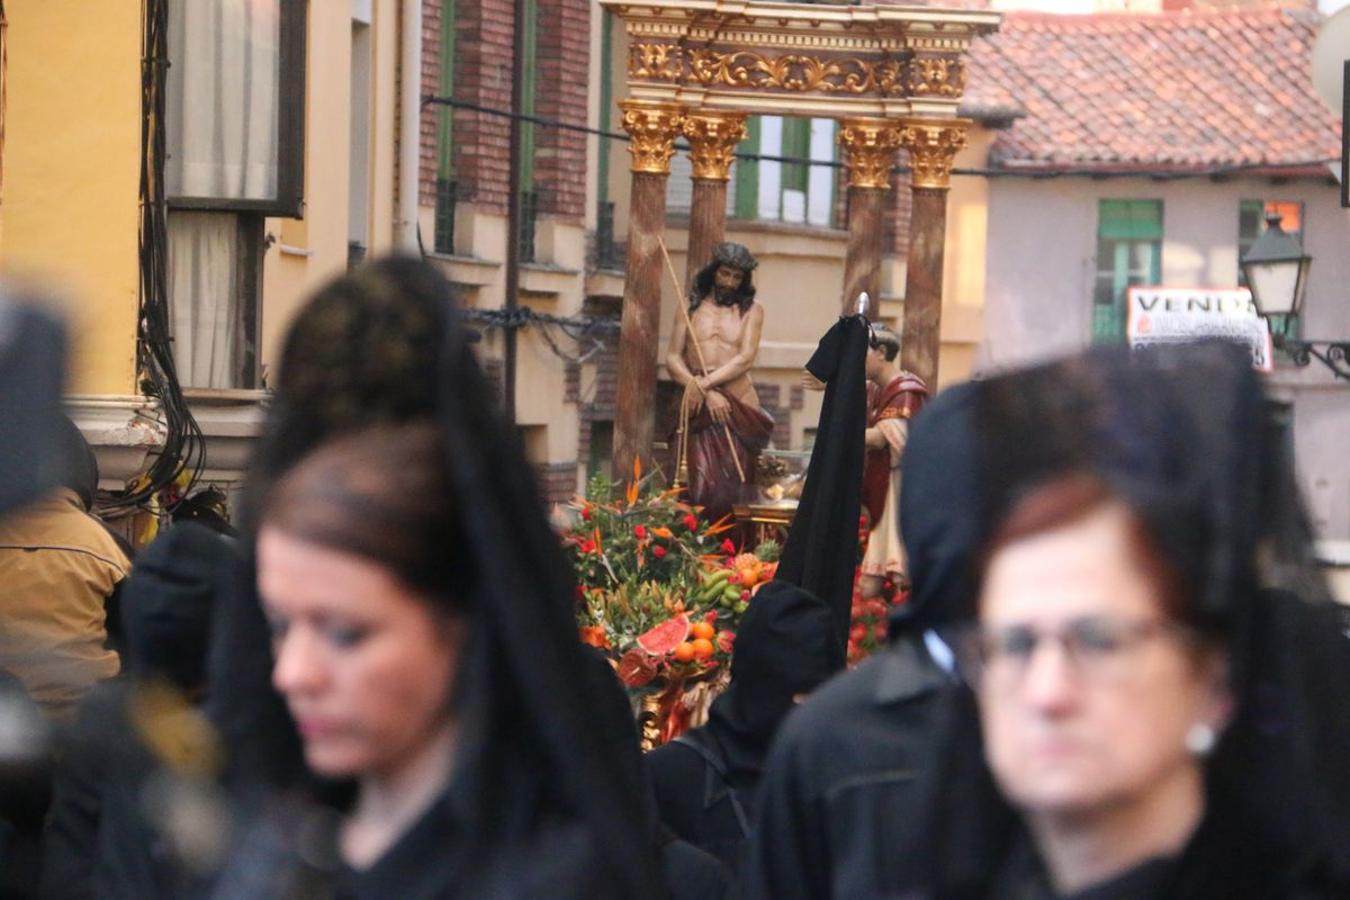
1156 672
515 796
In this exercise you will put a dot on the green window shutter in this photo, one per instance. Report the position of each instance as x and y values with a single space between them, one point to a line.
747 174
443 235
446 88
606 101
1130 220
528 87
796 144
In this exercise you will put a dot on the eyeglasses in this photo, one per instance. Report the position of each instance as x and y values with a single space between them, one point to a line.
1097 648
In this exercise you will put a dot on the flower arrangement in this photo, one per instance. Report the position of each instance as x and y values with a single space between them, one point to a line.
659 590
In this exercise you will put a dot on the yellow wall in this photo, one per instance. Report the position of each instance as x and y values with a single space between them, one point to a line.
309 251
69 207
964 263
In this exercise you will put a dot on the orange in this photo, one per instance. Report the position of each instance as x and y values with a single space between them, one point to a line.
702 648
703 630
684 652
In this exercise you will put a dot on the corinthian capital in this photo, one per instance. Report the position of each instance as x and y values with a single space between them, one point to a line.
652 128
713 137
869 146
932 148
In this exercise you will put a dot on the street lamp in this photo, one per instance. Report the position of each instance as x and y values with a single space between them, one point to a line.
1276 269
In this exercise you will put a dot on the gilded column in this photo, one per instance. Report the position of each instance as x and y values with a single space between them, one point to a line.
712 137
652 128
932 149
869 153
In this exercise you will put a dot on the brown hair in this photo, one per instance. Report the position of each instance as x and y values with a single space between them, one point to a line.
382 494
1072 498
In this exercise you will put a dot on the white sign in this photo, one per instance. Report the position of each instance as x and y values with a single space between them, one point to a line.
1163 315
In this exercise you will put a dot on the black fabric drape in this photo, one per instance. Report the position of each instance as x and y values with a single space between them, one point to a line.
821 553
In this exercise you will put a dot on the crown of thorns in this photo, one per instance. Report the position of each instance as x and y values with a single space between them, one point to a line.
735 255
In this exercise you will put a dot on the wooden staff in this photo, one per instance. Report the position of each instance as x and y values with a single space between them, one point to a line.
683 303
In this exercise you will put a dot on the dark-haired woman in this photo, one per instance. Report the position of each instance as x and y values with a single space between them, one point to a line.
1150 708
418 724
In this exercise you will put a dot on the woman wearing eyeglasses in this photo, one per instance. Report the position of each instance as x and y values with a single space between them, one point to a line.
1156 681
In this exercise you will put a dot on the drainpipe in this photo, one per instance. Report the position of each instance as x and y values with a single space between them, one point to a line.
410 128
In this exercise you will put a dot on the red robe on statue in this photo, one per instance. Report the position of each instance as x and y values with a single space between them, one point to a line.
714 482
902 398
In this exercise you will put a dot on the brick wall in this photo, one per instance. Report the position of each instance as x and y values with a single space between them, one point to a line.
482 142
557 481
562 54
483 51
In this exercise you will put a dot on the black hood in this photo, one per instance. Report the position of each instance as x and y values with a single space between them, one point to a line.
80 466
785 646
938 497
167 602
32 363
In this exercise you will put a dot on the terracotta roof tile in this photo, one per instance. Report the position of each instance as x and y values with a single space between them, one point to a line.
1166 92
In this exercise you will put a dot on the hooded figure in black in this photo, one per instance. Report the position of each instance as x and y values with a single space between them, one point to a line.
105 837
1185 441
707 780
537 792
837 799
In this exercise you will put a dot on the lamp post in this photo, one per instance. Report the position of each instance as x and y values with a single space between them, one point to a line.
1277 274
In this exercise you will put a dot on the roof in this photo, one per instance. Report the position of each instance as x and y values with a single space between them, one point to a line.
1170 92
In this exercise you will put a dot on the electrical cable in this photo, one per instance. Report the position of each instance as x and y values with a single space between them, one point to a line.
184 444
1216 171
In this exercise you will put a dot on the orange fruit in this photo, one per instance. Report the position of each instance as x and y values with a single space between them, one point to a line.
684 652
703 630
702 648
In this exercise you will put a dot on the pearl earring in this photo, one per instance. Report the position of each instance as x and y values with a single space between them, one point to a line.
1200 739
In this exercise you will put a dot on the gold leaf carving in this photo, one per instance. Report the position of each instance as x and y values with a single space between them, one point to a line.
792 72
932 150
936 77
652 128
713 137
870 146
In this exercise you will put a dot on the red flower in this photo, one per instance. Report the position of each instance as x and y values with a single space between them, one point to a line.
728 547
691 522
658 551
586 513
640 532
588 546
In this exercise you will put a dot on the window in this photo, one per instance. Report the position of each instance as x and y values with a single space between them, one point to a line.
214 270
234 139
770 190
234 117
1129 252
1251 223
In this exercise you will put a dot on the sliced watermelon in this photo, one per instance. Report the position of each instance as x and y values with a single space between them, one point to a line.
664 637
636 669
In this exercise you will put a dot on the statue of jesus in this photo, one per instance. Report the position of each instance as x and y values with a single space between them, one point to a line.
713 364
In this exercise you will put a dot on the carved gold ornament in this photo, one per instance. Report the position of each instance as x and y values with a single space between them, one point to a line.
652 128
937 77
932 149
870 146
793 72
712 143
